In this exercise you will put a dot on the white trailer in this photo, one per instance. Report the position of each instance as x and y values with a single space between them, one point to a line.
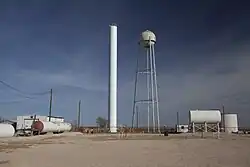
24 123
55 119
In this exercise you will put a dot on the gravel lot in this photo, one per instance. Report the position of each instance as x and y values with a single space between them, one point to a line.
77 150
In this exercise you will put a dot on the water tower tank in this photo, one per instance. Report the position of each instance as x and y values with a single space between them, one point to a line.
231 123
147 38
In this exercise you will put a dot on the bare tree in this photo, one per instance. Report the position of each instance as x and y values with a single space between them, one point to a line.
101 122
1 119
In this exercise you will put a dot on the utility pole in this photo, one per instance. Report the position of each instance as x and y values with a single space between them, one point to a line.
79 114
223 121
177 117
137 117
178 122
50 104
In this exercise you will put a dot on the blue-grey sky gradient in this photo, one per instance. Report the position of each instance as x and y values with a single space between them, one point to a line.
202 56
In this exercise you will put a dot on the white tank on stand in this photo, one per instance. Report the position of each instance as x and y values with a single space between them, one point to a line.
208 116
205 120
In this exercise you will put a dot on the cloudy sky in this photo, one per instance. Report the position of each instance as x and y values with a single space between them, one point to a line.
202 56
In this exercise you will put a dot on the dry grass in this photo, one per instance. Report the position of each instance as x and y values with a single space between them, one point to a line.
136 150
12 145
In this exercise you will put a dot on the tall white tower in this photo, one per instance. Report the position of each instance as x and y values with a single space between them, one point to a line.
113 79
147 42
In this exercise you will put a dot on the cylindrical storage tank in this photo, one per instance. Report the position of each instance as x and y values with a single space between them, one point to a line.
113 79
202 116
64 127
231 123
6 130
67 126
44 126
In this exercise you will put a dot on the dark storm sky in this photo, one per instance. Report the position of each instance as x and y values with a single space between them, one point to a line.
202 55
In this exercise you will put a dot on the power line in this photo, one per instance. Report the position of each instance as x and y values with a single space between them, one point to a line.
24 94
12 102
18 101
11 87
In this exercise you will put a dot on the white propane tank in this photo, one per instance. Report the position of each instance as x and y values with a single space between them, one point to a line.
6 130
67 126
231 123
45 126
202 116
64 127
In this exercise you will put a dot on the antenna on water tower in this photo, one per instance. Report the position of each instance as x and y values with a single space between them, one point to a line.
147 41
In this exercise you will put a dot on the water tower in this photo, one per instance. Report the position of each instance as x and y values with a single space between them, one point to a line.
148 69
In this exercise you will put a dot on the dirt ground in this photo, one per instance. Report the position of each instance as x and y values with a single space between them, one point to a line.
77 150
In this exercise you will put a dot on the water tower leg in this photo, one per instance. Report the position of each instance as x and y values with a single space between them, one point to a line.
152 85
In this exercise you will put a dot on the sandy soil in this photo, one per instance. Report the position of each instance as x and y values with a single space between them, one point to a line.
77 150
